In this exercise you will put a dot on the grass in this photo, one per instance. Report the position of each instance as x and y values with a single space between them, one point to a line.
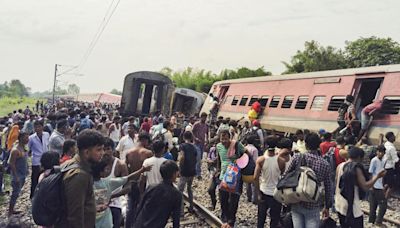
9 104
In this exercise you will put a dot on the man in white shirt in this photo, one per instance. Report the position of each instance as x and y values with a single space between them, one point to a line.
390 160
127 142
38 145
153 177
125 126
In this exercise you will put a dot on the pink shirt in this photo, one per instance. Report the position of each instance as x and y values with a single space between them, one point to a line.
374 106
253 151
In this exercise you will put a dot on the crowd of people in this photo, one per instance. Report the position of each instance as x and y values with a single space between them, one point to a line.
106 159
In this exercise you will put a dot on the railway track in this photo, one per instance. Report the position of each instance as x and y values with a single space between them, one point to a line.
202 217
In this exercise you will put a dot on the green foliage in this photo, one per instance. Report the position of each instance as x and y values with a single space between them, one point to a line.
73 89
315 58
202 80
14 88
9 104
362 52
116 92
372 51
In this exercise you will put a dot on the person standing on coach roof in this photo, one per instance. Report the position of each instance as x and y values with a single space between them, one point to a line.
38 145
78 183
200 134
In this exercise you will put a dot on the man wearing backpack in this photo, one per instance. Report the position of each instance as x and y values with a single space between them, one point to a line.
80 206
307 214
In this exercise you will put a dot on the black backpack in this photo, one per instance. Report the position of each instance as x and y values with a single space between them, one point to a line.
48 201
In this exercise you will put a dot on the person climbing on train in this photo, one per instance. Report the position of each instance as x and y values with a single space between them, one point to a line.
367 115
346 114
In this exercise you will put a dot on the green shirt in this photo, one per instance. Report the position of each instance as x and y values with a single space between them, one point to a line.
223 157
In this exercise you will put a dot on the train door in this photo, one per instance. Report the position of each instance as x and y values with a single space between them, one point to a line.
366 91
222 92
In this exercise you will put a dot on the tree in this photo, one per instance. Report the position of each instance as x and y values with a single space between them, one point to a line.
116 92
201 80
372 51
14 88
315 58
73 89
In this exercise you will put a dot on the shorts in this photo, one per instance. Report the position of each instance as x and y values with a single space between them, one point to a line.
389 178
365 121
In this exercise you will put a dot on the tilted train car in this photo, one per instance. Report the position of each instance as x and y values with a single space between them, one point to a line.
311 100
146 92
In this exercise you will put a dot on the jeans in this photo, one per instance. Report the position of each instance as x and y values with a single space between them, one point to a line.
211 190
229 206
181 186
305 218
250 192
16 189
353 223
34 178
133 201
200 150
377 198
116 216
275 211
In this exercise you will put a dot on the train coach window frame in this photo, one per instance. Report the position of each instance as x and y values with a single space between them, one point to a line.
336 102
264 100
244 100
393 105
301 102
287 102
235 100
252 100
318 103
275 101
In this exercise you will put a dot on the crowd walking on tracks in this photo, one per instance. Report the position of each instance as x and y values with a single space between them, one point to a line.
91 167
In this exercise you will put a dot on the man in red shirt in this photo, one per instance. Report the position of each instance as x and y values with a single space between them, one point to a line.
327 143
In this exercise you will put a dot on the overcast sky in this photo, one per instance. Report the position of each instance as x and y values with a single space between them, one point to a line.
152 34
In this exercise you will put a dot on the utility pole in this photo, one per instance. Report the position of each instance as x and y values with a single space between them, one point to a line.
56 74
55 82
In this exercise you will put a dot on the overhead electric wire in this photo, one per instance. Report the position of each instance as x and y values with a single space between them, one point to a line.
106 19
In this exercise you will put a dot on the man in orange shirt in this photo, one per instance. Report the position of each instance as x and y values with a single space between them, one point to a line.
13 135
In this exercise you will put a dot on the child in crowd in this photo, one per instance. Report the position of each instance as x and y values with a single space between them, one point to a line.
103 189
377 194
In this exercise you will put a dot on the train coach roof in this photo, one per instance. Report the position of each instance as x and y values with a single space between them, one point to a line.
318 74
148 75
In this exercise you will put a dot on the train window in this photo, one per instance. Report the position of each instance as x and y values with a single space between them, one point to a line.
287 102
264 101
336 102
243 101
252 100
318 103
275 101
392 107
235 100
301 102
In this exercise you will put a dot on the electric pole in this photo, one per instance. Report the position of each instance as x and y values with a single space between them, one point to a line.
55 82
56 74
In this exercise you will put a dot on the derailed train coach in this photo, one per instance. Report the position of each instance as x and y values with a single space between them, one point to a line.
148 92
311 100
